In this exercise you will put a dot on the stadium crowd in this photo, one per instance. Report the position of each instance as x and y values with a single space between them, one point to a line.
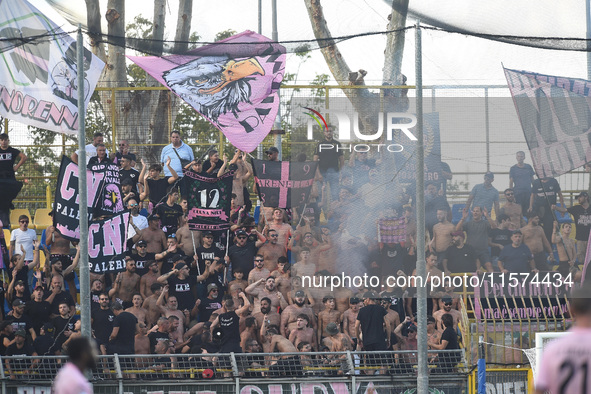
241 291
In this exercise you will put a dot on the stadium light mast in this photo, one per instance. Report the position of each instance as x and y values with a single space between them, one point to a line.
423 369
83 264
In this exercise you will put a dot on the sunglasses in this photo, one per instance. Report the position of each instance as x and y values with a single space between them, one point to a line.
24 221
259 261
274 235
241 237
133 205
447 303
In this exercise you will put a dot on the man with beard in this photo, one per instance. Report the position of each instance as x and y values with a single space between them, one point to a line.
582 215
151 304
171 255
149 278
269 291
206 252
259 271
210 303
484 195
136 309
137 222
460 257
267 314
229 323
182 285
433 203
102 323
152 235
534 238
242 253
447 308
56 296
125 325
64 265
499 237
441 234
20 321
271 250
64 325
289 316
477 231
126 284
38 310
303 332
20 347
513 210
517 256
60 251
545 193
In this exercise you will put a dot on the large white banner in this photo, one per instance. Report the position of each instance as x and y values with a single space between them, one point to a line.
38 78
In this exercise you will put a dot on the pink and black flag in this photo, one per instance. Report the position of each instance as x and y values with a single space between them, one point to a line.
283 184
234 83
209 200
555 115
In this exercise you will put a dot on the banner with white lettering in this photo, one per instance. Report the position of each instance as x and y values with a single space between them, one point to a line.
284 184
107 244
38 77
555 115
104 196
209 201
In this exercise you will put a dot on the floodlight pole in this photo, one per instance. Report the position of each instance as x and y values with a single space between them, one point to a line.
83 204
423 370
277 125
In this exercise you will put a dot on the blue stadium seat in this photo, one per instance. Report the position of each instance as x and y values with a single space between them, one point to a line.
257 211
563 217
456 212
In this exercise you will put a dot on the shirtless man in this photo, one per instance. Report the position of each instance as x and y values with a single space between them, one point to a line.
289 316
60 249
273 342
283 229
151 305
441 234
271 250
447 308
433 334
304 267
342 295
535 239
282 277
176 331
328 315
566 250
259 271
188 240
393 319
126 284
170 308
318 293
149 278
250 332
303 332
350 317
238 283
142 345
337 341
267 314
269 291
153 235
137 310
513 210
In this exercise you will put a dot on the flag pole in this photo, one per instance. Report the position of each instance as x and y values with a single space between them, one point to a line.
83 265
195 252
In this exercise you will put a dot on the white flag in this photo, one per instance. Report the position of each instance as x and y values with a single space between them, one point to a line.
38 74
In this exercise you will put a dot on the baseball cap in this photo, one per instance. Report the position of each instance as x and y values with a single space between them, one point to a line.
38 287
412 328
241 233
48 328
17 302
332 328
583 194
300 293
211 286
446 300
272 150
354 300
142 243
489 174
207 233
21 333
154 217
180 266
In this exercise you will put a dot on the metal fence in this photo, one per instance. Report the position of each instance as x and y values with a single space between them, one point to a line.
234 372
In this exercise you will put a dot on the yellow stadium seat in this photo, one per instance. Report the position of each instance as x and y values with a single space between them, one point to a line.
42 219
15 213
7 237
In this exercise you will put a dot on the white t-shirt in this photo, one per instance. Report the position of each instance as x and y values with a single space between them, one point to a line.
140 222
25 238
90 152
70 380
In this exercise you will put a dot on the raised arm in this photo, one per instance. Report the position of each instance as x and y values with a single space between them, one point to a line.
75 262
174 175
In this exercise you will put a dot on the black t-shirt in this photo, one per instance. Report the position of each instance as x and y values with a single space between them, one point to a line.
125 340
451 337
372 319
392 259
206 254
169 216
545 193
243 257
156 337
501 237
131 174
39 313
61 325
207 165
183 290
2 347
24 323
43 345
7 159
158 188
94 300
170 259
207 307
141 268
461 260
582 221
27 350
61 297
119 156
328 156
102 324
230 326
94 160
